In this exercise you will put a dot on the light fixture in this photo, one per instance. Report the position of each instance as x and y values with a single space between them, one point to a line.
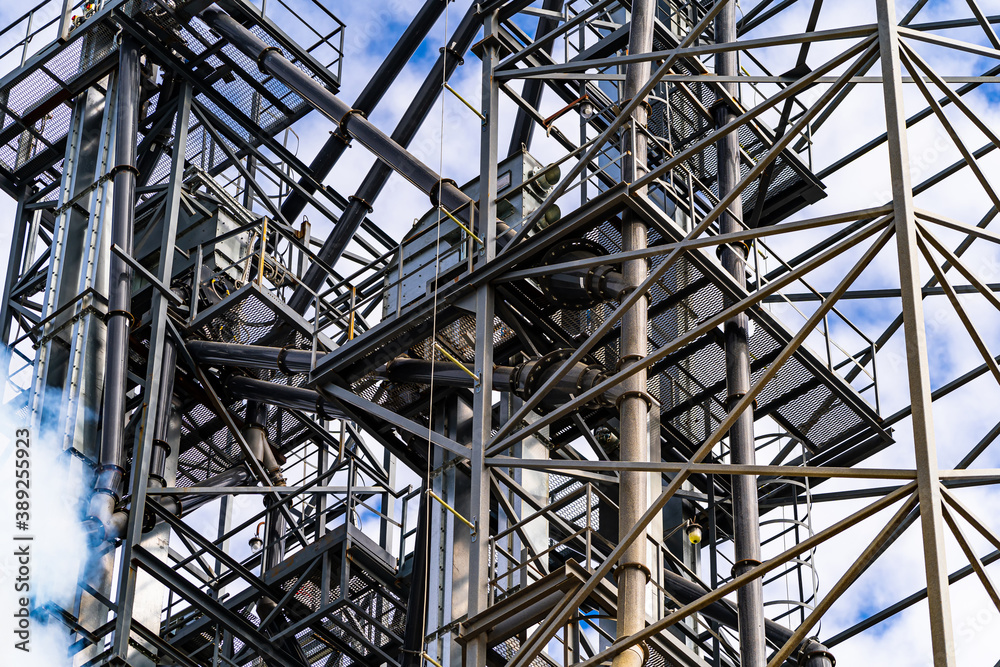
256 544
587 108
694 534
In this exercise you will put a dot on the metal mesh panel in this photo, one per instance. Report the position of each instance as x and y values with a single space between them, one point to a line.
694 377
25 97
684 117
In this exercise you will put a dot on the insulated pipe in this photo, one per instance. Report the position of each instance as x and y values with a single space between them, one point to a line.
161 421
256 436
524 125
271 61
111 471
333 149
634 404
180 505
282 396
257 414
746 514
583 287
523 379
286 360
376 178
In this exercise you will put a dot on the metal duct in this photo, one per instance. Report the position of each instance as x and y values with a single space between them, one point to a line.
282 396
111 472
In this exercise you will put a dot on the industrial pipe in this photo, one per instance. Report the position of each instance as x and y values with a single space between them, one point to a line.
416 601
282 396
523 379
583 287
633 499
256 436
111 470
409 123
271 61
746 513
180 505
810 653
286 360
377 86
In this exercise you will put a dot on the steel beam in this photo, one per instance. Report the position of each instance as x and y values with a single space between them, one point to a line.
918 373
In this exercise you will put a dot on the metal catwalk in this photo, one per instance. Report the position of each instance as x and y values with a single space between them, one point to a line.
611 400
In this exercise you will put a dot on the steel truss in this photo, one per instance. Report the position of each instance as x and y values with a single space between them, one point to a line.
577 413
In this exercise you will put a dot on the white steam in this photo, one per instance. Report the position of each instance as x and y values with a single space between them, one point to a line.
58 547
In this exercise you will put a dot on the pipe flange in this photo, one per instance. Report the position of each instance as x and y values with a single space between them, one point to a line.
342 123
644 104
723 102
280 361
733 399
162 444
321 408
735 246
344 138
262 56
362 202
597 282
532 380
583 376
123 167
626 359
435 192
120 313
818 652
746 562
453 52
635 394
627 290
558 254
633 565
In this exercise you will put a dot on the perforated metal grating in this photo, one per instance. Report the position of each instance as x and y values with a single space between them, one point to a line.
247 321
684 117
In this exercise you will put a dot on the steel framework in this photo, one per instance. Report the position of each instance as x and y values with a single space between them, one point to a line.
580 412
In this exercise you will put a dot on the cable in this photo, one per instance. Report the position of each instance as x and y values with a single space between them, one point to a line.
434 311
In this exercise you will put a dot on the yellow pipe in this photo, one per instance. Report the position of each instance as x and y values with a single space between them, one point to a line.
465 102
455 361
263 248
459 223
454 511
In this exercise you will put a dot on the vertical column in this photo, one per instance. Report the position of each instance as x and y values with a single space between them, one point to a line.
128 573
928 483
749 598
633 572
482 408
